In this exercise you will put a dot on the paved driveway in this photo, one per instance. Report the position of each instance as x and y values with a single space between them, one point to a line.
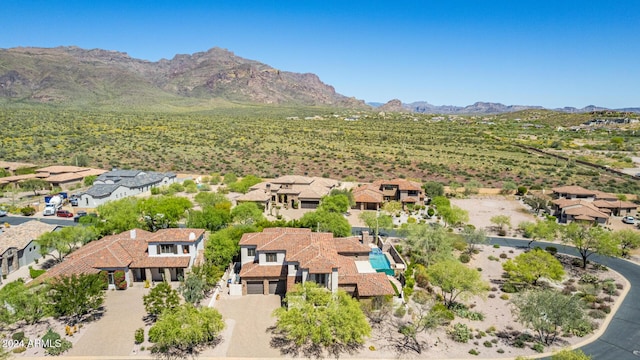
247 318
112 335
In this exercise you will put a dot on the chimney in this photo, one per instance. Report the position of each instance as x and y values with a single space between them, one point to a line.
192 236
267 188
132 233
365 237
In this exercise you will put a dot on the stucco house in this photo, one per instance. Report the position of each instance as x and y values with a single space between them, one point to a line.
573 203
165 255
276 259
64 176
371 196
290 191
119 184
18 247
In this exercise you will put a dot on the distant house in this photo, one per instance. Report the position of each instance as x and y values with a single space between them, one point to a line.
573 203
289 191
371 196
165 255
276 259
119 184
18 247
66 176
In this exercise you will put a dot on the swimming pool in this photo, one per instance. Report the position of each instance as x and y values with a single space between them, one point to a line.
380 262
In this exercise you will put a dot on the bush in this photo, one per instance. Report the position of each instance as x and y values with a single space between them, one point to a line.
487 344
464 258
139 336
502 232
474 352
538 347
34 273
492 258
597 314
120 280
503 256
521 190
496 246
19 350
445 313
400 312
155 191
460 333
504 297
459 245
19 336
27 211
605 309
509 288
53 338
551 250
588 279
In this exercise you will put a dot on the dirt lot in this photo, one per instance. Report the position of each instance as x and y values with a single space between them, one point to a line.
482 208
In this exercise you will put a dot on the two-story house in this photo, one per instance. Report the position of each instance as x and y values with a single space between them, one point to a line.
165 255
573 203
371 196
275 259
290 191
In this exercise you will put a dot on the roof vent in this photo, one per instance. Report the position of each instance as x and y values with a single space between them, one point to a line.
132 233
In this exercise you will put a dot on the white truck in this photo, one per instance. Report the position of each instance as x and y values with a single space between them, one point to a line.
54 204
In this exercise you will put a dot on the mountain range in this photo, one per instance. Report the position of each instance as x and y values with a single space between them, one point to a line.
423 107
75 76
71 76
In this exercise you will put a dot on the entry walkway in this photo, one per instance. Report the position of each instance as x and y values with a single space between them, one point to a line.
112 335
621 339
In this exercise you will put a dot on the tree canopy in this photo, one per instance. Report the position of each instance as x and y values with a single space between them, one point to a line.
246 213
335 203
183 331
65 240
74 296
627 239
548 311
589 240
428 244
314 318
456 281
161 297
433 189
320 220
530 266
376 221
22 303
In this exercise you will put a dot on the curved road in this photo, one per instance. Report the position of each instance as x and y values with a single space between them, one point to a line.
621 340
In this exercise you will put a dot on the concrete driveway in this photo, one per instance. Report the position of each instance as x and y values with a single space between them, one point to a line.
112 335
247 318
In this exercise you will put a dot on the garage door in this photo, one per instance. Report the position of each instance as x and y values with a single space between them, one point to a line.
277 287
255 287
309 204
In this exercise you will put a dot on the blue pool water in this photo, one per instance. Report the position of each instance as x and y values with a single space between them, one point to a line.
380 262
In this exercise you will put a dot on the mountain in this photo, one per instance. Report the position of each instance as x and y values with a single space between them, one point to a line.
496 108
75 76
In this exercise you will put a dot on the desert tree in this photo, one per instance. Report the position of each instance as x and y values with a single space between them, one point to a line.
589 240
75 296
433 189
547 312
184 331
34 185
315 320
456 281
161 297
501 221
473 238
628 240
532 265
63 242
428 245
246 213
376 221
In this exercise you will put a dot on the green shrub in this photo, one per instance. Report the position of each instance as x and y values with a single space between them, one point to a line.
496 246
18 336
464 258
27 211
19 350
459 245
400 312
487 344
474 352
503 256
551 250
588 279
504 297
120 280
492 258
597 314
58 345
139 336
443 311
509 288
460 333
34 273
155 190
538 347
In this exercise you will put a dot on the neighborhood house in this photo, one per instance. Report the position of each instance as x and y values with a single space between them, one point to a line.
18 247
119 184
575 203
165 255
276 259
372 196
289 191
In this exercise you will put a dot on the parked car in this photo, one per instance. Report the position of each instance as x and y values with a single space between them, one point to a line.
64 213
3 212
629 220
79 214
73 201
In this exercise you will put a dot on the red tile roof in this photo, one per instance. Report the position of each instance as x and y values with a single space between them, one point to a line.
174 235
402 184
573 190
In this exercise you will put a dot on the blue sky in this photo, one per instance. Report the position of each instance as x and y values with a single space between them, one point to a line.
449 52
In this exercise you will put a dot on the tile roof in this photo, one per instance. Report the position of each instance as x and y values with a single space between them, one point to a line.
320 253
173 235
58 169
19 236
74 176
13 166
255 195
9 179
617 204
402 184
573 190
127 249
368 193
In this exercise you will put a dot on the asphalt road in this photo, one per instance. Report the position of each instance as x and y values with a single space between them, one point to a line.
17 220
621 340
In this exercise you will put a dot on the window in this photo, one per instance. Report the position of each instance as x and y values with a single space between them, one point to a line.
272 257
111 279
168 249
185 249
320 279
251 251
